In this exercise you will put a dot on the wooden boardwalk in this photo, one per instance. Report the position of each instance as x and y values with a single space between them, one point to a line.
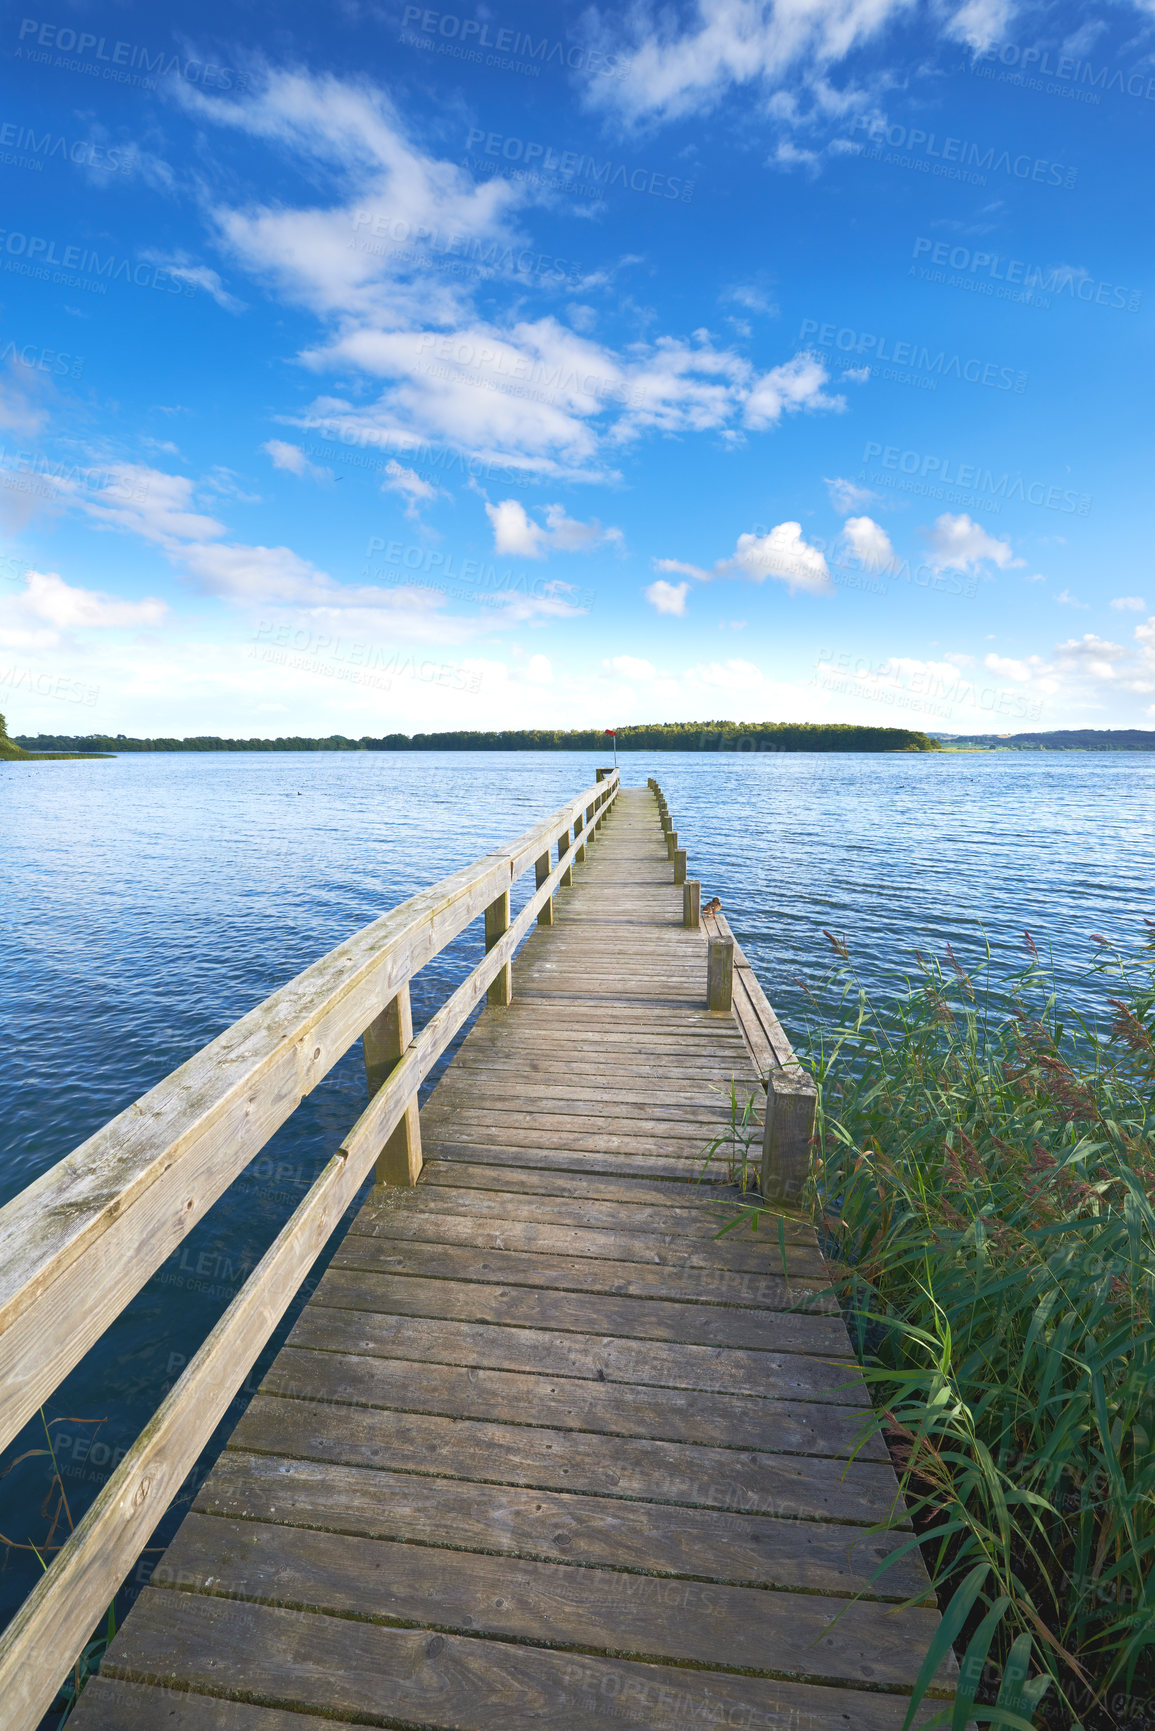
541 1450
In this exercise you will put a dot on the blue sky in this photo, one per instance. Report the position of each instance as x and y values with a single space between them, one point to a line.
376 368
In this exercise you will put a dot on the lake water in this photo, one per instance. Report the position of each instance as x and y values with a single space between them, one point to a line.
150 901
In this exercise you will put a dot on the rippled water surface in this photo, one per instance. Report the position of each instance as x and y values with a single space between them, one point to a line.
150 901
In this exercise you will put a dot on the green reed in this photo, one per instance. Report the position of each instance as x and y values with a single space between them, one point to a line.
985 1170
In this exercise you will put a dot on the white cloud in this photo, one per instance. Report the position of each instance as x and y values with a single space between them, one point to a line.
409 483
292 458
680 568
868 542
538 670
1129 604
1065 599
198 276
515 532
786 389
781 553
35 617
848 495
958 544
668 597
1093 655
632 667
1020 671
674 64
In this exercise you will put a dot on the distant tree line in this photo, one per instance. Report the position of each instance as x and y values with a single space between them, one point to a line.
659 736
1063 739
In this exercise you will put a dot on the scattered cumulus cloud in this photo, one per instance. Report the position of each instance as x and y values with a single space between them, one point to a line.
1129 604
848 496
1065 599
407 482
294 460
515 532
868 542
782 553
959 544
668 597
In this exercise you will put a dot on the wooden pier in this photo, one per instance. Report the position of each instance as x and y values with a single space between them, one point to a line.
541 1450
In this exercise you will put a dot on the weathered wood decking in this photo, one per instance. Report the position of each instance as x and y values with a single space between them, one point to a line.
541 1450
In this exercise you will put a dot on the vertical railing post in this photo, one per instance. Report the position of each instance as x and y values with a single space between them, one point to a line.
720 974
496 926
671 843
578 830
384 1042
679 865
566 878
791 1106
692 903
542 869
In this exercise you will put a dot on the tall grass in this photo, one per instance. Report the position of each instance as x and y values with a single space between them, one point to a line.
985 1171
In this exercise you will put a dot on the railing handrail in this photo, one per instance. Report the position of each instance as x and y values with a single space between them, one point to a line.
135 1188
54 1622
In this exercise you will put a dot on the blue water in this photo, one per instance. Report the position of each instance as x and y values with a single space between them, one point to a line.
150 901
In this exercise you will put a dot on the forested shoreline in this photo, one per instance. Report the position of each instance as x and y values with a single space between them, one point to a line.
660 736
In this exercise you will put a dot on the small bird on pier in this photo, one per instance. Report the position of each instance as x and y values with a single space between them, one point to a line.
713 906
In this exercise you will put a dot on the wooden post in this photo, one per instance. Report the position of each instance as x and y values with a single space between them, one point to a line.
543 868
791 1101
679 865
671 843
692 903
720 974
496 926
384 1042
567 875
579 856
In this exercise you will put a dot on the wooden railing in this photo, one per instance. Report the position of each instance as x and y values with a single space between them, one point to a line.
81 1241
732 986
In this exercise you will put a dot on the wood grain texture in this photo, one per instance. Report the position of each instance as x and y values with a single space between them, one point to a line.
542 1449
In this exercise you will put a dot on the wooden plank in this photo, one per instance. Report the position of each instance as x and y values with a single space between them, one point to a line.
412 1677
109 1706
794 1464
659 1539
698 1223
564 1402
780 1325
632 1615
669 1251
704 1288
644 1362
